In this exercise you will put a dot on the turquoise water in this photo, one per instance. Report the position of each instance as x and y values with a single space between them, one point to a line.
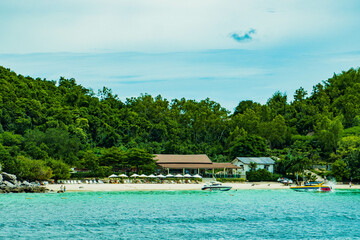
245 214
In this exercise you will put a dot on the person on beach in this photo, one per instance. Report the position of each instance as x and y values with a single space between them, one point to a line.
64 189
350 184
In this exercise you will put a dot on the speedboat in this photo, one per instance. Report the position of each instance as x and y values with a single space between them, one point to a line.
313 186
215 186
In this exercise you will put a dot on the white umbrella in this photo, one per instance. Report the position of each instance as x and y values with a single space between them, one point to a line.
143 175
134 175
160 176
113 176
197 176
152 176
169 175
187 175
123 175
179 175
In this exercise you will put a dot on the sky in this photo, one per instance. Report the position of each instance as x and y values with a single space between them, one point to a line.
225 50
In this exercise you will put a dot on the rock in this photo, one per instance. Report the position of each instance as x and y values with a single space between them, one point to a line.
9 177
8 184
26 183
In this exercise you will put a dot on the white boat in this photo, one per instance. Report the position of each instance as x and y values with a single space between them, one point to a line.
215 186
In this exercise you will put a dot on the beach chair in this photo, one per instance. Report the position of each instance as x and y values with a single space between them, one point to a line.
101 182
79 181
86 181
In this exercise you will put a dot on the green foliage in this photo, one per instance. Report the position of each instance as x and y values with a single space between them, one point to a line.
114 157
89 161
253 166
328 133
60 170
353 162
103 171
139 158
242 180
261 175
32 170
249 146
245 105
339 170
6 160
67 123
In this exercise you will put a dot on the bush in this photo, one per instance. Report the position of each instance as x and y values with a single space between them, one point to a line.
60 170
261 175
230 179
100 172
32 170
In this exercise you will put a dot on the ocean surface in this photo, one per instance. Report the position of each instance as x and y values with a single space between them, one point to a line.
242 214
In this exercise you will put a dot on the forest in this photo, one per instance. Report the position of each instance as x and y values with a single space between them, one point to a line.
46 127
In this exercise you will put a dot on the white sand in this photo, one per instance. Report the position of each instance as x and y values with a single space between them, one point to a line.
153 187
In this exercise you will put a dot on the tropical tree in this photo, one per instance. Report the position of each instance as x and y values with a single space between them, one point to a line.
253 166
339 170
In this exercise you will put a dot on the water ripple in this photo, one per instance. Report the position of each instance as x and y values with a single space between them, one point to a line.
253 214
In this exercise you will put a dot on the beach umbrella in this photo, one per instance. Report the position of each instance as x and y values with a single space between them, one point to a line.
160 176
187 175
152 176
113 176
197 176
179 175
169 175
134 175
143 175
123 175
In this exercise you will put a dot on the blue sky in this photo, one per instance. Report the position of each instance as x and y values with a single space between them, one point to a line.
226 50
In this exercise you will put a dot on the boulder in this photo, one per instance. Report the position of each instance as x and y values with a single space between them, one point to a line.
26 183
9 177
8 184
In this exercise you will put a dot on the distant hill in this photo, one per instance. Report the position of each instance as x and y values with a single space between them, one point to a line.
67 123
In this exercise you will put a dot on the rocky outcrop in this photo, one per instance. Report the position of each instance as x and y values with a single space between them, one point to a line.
8 177
10 184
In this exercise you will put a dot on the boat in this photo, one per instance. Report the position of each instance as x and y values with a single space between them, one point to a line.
313 186
215 186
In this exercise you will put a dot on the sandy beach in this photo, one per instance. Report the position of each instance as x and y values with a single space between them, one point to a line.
172 187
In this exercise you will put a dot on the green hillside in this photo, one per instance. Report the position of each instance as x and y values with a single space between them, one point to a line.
48 126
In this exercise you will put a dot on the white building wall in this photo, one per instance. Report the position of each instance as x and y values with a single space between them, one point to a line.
247 167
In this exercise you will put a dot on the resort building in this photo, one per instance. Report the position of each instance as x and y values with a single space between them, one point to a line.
194 164
262 163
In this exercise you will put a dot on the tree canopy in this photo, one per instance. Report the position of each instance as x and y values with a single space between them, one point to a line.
60 124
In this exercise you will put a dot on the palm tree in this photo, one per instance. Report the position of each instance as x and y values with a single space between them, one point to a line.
253 166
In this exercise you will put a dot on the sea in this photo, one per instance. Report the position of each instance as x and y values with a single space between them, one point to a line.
241 214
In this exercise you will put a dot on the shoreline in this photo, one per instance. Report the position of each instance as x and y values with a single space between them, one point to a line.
107 187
